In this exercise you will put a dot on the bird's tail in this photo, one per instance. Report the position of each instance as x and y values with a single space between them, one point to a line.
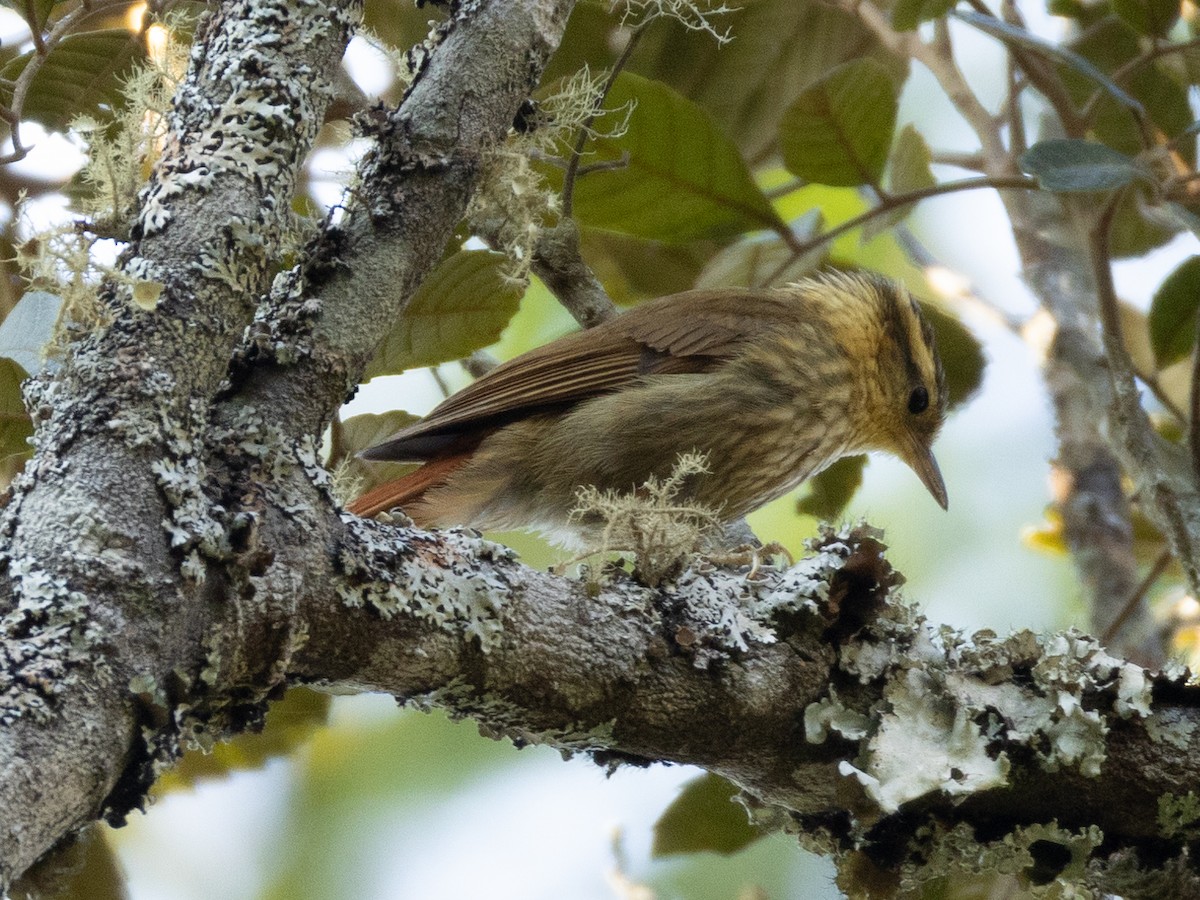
409 489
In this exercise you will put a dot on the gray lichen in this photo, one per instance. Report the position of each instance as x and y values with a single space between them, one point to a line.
380 571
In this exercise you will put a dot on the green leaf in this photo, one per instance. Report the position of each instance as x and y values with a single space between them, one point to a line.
1075 166
15 424
704 817
28 328
780 47
831 489
839 130
909 170
461 307
360 432
81 74
633 270
1173 313
961 354
910 163
681 178
758 262
1153 18
908 14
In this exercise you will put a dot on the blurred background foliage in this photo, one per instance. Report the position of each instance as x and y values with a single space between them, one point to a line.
802 142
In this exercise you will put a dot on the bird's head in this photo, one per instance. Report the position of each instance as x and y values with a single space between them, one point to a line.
898 373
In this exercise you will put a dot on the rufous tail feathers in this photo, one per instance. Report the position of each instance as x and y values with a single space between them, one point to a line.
409 489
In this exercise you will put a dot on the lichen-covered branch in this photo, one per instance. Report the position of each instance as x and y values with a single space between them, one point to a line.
313 337
838 710
558 262
100 541
155 548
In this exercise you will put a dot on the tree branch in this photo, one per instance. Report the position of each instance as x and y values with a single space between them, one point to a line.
832 705
108 523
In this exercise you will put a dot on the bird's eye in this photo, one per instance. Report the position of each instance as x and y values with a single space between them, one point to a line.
918 400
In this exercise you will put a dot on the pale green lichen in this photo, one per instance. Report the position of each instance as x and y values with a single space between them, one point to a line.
723 615
950 701
926 742
499 717
1042 862
50 632
694 15
257 118
1076 740
830 716
1179 815
460 597
652 523
513 201
1170 728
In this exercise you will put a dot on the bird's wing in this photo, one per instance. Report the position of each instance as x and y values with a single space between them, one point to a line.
704 329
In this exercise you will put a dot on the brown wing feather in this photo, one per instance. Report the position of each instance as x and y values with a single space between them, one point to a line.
402 491
704 329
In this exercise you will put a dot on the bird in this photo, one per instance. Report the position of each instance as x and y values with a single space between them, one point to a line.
768 385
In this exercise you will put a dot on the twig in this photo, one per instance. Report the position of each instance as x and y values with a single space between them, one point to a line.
895 201
557 260
1041 76
784 189
435 372
1106 294
35 28
972 161
585 129
1136 598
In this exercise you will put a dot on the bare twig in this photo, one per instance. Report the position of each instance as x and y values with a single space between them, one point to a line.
1135 600
586 128
35 28
897 201
1039 74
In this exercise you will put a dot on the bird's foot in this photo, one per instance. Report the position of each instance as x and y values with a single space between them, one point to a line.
754 556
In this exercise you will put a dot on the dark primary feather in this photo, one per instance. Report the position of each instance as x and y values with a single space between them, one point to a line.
590 363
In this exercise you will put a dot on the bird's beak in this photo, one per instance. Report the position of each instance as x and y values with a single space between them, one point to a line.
919 457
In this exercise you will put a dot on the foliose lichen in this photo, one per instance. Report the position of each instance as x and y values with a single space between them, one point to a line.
381 571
